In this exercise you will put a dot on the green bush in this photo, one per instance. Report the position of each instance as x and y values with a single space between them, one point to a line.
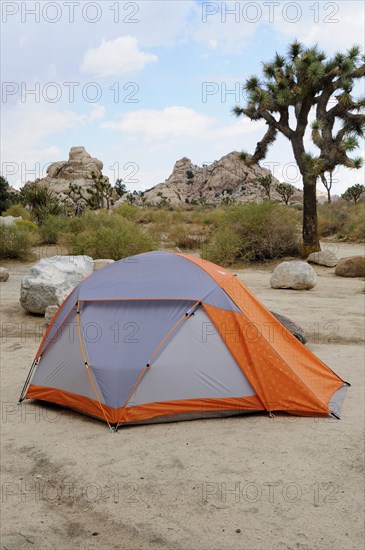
225 248
17 210
53 227
17 242
127 210
249 232
108 236
27 225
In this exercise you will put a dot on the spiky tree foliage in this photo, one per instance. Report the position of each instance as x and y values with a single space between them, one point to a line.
353 193
102 190
75 193
120 187
286 191
292 86
97 196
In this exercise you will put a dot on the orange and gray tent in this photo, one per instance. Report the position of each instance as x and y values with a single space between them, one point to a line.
161 337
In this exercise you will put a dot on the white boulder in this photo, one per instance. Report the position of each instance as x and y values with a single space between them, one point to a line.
296 275
323 257
50 313
50 281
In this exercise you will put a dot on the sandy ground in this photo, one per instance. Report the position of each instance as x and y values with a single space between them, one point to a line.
241 483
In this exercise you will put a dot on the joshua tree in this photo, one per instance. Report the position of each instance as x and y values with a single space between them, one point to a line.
266 183
101 191
353 193
294 85
286 191
120 187
328 185
96 196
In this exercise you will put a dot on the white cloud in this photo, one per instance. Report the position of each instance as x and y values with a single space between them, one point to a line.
97 112
31 134
177 122
172 121
115 57
335 26
236 25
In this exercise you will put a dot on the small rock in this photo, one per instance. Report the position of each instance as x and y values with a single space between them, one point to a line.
292 327
98 264
238 530
50 313
4 274
323 257
295 275
95 533
353 266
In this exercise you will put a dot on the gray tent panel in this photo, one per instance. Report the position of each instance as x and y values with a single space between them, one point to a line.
121 337
195 364
155 275
62 365
337 400
218 298
66 309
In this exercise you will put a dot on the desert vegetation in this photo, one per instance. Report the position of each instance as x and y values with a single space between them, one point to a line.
228 235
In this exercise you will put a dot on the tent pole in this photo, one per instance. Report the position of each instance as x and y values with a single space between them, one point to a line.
25 387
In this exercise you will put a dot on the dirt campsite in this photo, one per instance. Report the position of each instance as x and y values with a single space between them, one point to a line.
252 481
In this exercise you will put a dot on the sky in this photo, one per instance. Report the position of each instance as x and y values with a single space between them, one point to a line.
141 84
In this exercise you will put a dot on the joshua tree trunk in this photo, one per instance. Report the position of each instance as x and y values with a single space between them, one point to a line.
310 225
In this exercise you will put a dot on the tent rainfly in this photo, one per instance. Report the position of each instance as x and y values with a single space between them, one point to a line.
159 337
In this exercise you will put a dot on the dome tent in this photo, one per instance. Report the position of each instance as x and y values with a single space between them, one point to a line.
160 336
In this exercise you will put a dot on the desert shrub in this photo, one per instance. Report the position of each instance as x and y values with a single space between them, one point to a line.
332 218
342 220
182 237
251 231
17 210
127 210
17 242
53 227
27 225
225 248
104 236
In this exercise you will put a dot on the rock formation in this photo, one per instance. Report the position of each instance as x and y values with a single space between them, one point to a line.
224 179
78 169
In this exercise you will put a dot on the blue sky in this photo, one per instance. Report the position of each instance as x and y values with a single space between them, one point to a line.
142 84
